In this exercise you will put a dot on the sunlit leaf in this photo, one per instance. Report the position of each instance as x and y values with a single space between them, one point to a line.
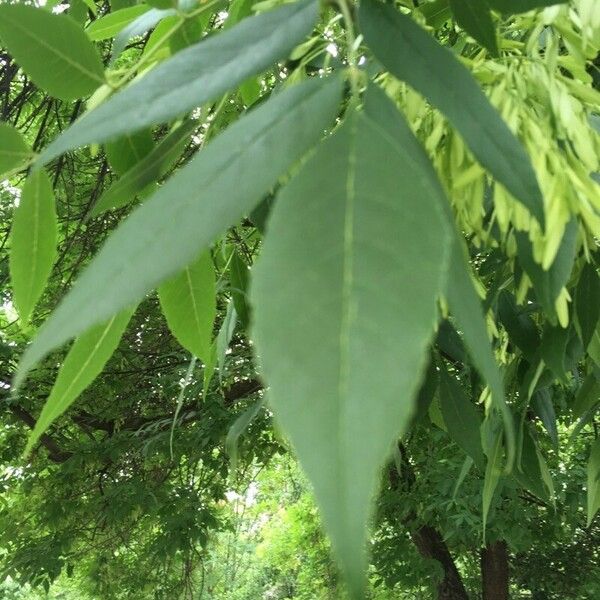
33 242
189 305
13 149
52 50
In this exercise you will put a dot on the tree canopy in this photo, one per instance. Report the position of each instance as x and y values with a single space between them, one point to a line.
359 235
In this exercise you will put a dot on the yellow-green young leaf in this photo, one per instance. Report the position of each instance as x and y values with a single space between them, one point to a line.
193 76
343 361
189 304
461 295
147 170
413 55
32 242
593 482
462 419
13 149
192 209
475 18
82 365
520 6
109 25
52 50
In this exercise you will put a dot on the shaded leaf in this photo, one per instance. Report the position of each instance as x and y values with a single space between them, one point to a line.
520 327
237 430
147 170
462 419
493 471
541 403
587 396
238 273
547 284
128 150
436 13
52 50
593 482
587 303
554 348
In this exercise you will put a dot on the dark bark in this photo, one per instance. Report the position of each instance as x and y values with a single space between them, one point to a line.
430 544
494 571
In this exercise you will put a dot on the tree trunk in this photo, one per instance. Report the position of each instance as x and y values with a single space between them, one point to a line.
430 544
494 571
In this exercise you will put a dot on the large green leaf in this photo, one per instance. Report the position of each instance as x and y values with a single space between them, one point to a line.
189 304
475 18
187 213
82 365
411 54
587 303
13 149
462 419
109 25
593 482
52 50
193 76
147 170
520 6
344 300
32 242
462 297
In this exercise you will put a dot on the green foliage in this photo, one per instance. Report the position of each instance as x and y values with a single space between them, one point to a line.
378 221
33 242
52 50
13 149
